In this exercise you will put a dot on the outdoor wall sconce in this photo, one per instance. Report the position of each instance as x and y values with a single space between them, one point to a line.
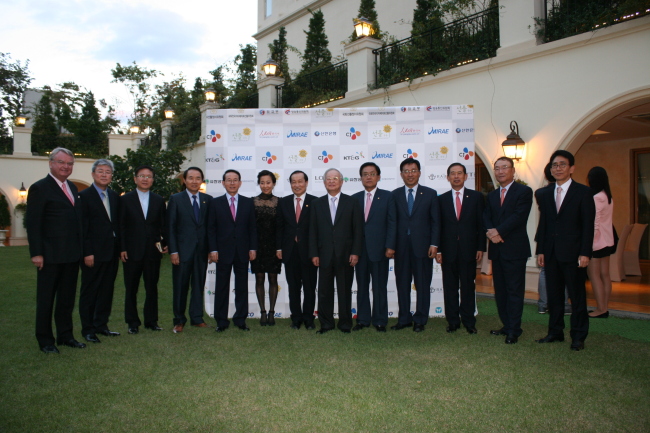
20 120
363 27
270 68
135 129
210 95
22 192
513 146
169 113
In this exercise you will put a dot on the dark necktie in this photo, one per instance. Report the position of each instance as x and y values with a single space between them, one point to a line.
410 201
195 206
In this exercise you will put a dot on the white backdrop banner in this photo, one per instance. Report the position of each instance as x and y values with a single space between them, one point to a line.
315 139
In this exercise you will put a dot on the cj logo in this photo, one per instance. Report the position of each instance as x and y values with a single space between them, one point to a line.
353 134
466 153
325 157
269 158
410 154
213 136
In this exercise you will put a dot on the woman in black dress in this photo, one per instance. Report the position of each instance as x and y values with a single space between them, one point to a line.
266 205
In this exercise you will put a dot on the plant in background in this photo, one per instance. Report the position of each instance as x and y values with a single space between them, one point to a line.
317 54
14 80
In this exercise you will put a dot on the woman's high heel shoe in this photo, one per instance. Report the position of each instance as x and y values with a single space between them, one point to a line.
263 318
271 317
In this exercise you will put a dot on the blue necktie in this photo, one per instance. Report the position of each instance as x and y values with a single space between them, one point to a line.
410 201
195 205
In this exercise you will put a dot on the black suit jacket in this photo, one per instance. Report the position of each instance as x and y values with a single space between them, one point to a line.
341 239
100 232
54 228
461 238
423 223
287 229
228 237
569 233
139 235
510 221
185 235
381 226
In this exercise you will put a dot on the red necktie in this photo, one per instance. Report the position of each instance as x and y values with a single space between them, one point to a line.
458 205
298 209
503 195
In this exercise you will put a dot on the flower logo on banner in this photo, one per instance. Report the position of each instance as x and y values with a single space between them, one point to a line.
325 157
410 154
466 154
353 134
213 136
269 158
246 131
277 177
387 129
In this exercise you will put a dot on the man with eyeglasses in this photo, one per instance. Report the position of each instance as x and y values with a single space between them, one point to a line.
565 235
53 223
379 246
418 237
142 231
101 231
505 218
335 244
232 242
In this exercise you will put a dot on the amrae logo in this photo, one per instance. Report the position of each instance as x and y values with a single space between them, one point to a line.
269 158
325 157
353 134
242 158
434 131
466 153
294 134
410 154
377 155
213 136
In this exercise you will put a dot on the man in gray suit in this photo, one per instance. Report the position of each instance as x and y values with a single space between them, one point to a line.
188 245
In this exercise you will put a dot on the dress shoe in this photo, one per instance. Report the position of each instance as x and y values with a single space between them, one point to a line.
310 327
451 329
345 331
577 345
550 339
498 332
72 343
154 327
221 328
542 310
418 328
133 330
271 318
380 328
359 327
512 339
178 328
323 330
605 315
244 328
108 333
295 325
471 330
92 338
201 325
400 326
49 349
263 318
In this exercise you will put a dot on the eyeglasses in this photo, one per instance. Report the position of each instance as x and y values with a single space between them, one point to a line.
369 175
142 176
410 171
333 178
104 172
60 162
560 165
231 181
502 168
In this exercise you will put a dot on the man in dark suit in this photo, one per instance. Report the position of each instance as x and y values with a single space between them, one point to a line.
379 246
462 242
55 246
232 241
292 240
101 229
335 244
418 237
142 228
505 217
565 236
187 214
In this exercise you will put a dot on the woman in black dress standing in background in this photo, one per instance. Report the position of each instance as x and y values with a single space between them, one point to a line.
266 262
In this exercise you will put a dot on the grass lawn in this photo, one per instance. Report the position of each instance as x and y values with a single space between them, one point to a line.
275 379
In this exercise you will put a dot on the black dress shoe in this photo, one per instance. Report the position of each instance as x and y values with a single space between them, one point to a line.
380 328
451 329
577 345
154 327
310 327
498 332
133 330
244 328
550 339
323 330
50 349
400 326
72 343
359 327
295 325
418 328
605 315
92 338
471 330
108 333
221 328
512 339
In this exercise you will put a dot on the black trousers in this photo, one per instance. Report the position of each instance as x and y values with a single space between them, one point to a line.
55 282
343 273
96 296
149 270
558 276
409 268
222 291
301 277
459 275
509 277
185 275
378 272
